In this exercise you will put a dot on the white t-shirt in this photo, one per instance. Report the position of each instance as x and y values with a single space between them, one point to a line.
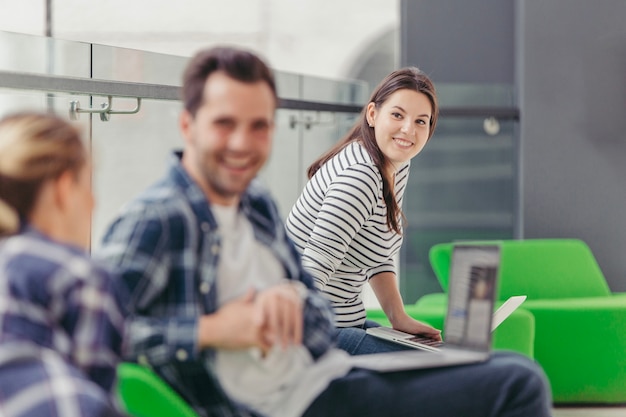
285 381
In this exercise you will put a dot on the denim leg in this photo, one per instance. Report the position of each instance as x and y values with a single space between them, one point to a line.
508 385
370 323
356 341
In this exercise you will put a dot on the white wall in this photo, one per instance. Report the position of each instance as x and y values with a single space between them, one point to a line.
311 37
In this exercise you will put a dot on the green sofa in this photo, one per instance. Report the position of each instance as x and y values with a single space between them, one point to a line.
580 325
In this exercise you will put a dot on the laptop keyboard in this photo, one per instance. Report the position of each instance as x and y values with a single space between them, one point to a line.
426 341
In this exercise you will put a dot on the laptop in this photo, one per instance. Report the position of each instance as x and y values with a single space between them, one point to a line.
469 317
426 343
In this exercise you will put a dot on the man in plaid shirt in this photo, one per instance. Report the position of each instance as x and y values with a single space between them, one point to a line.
221 307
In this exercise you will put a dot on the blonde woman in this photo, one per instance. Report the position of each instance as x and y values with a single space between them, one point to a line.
60 324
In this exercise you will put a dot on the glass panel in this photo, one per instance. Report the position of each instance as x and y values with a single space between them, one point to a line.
324 131
287 85
341 92
40 55
281 172
302 136
12 101
130 65
130 153
462 186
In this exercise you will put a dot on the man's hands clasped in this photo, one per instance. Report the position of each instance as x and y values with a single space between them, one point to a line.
262 319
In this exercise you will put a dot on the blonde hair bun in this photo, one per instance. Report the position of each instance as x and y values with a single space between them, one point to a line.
9 220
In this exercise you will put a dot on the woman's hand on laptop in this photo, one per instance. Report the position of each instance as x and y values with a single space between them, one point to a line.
408 324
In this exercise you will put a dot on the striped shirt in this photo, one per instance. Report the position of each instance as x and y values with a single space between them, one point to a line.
339 224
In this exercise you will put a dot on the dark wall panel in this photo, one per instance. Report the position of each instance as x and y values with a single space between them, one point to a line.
567 60
459 41
572 56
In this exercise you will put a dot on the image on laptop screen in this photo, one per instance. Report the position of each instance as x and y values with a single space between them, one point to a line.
473 280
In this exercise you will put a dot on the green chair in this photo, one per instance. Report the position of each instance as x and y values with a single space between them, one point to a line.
580 326
142 393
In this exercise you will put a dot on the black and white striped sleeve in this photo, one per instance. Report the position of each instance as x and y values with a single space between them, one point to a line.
349 202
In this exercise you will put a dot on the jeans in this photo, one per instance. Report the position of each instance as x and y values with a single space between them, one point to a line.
356 341
507 385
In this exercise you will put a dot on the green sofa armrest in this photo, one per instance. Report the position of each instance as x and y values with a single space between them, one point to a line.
581 344
142 393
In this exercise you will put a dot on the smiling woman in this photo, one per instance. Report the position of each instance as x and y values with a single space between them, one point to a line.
347 222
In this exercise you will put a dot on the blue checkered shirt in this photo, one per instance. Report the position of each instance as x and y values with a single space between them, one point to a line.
61 327
166 247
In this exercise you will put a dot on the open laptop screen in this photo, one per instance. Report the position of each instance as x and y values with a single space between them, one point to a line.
472 289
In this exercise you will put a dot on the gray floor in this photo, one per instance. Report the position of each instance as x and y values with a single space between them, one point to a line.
590 412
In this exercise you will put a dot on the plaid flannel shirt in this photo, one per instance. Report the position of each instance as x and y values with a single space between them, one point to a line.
61 327
166 247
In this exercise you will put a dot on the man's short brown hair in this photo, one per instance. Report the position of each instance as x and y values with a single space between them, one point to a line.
238 64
